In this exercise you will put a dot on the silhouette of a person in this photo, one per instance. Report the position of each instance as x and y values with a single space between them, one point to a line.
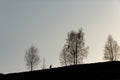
50 66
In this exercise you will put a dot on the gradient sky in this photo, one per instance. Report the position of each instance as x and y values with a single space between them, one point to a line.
45 23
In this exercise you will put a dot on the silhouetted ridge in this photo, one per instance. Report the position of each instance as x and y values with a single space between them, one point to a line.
96 71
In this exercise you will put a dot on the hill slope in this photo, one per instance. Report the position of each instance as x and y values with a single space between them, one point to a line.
96 71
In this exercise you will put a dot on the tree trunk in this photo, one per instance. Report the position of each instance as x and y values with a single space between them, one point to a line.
76 53
31 67
74 58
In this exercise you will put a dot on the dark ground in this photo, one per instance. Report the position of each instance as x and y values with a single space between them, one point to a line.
96 71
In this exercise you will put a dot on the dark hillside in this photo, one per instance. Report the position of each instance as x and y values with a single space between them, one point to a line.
96 71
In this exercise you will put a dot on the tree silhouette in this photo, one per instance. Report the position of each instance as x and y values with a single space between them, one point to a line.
32 58
111 49
63 56
44 64
74 50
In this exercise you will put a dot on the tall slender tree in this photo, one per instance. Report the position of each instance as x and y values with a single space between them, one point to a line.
74 50
111 49
44 64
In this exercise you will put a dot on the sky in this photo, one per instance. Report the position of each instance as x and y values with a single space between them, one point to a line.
45 24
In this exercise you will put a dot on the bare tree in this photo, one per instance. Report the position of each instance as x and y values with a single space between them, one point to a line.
32 58
44 64
74 50
63 56
111 49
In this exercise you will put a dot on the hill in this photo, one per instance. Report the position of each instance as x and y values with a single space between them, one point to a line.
94 71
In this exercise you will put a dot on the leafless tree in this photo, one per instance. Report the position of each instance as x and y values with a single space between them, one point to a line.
74 50
111 49
32 58
63 57
44 64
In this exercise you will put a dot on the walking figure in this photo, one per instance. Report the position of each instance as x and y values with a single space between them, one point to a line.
50 66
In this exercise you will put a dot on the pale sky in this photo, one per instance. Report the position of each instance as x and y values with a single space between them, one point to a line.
45 24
